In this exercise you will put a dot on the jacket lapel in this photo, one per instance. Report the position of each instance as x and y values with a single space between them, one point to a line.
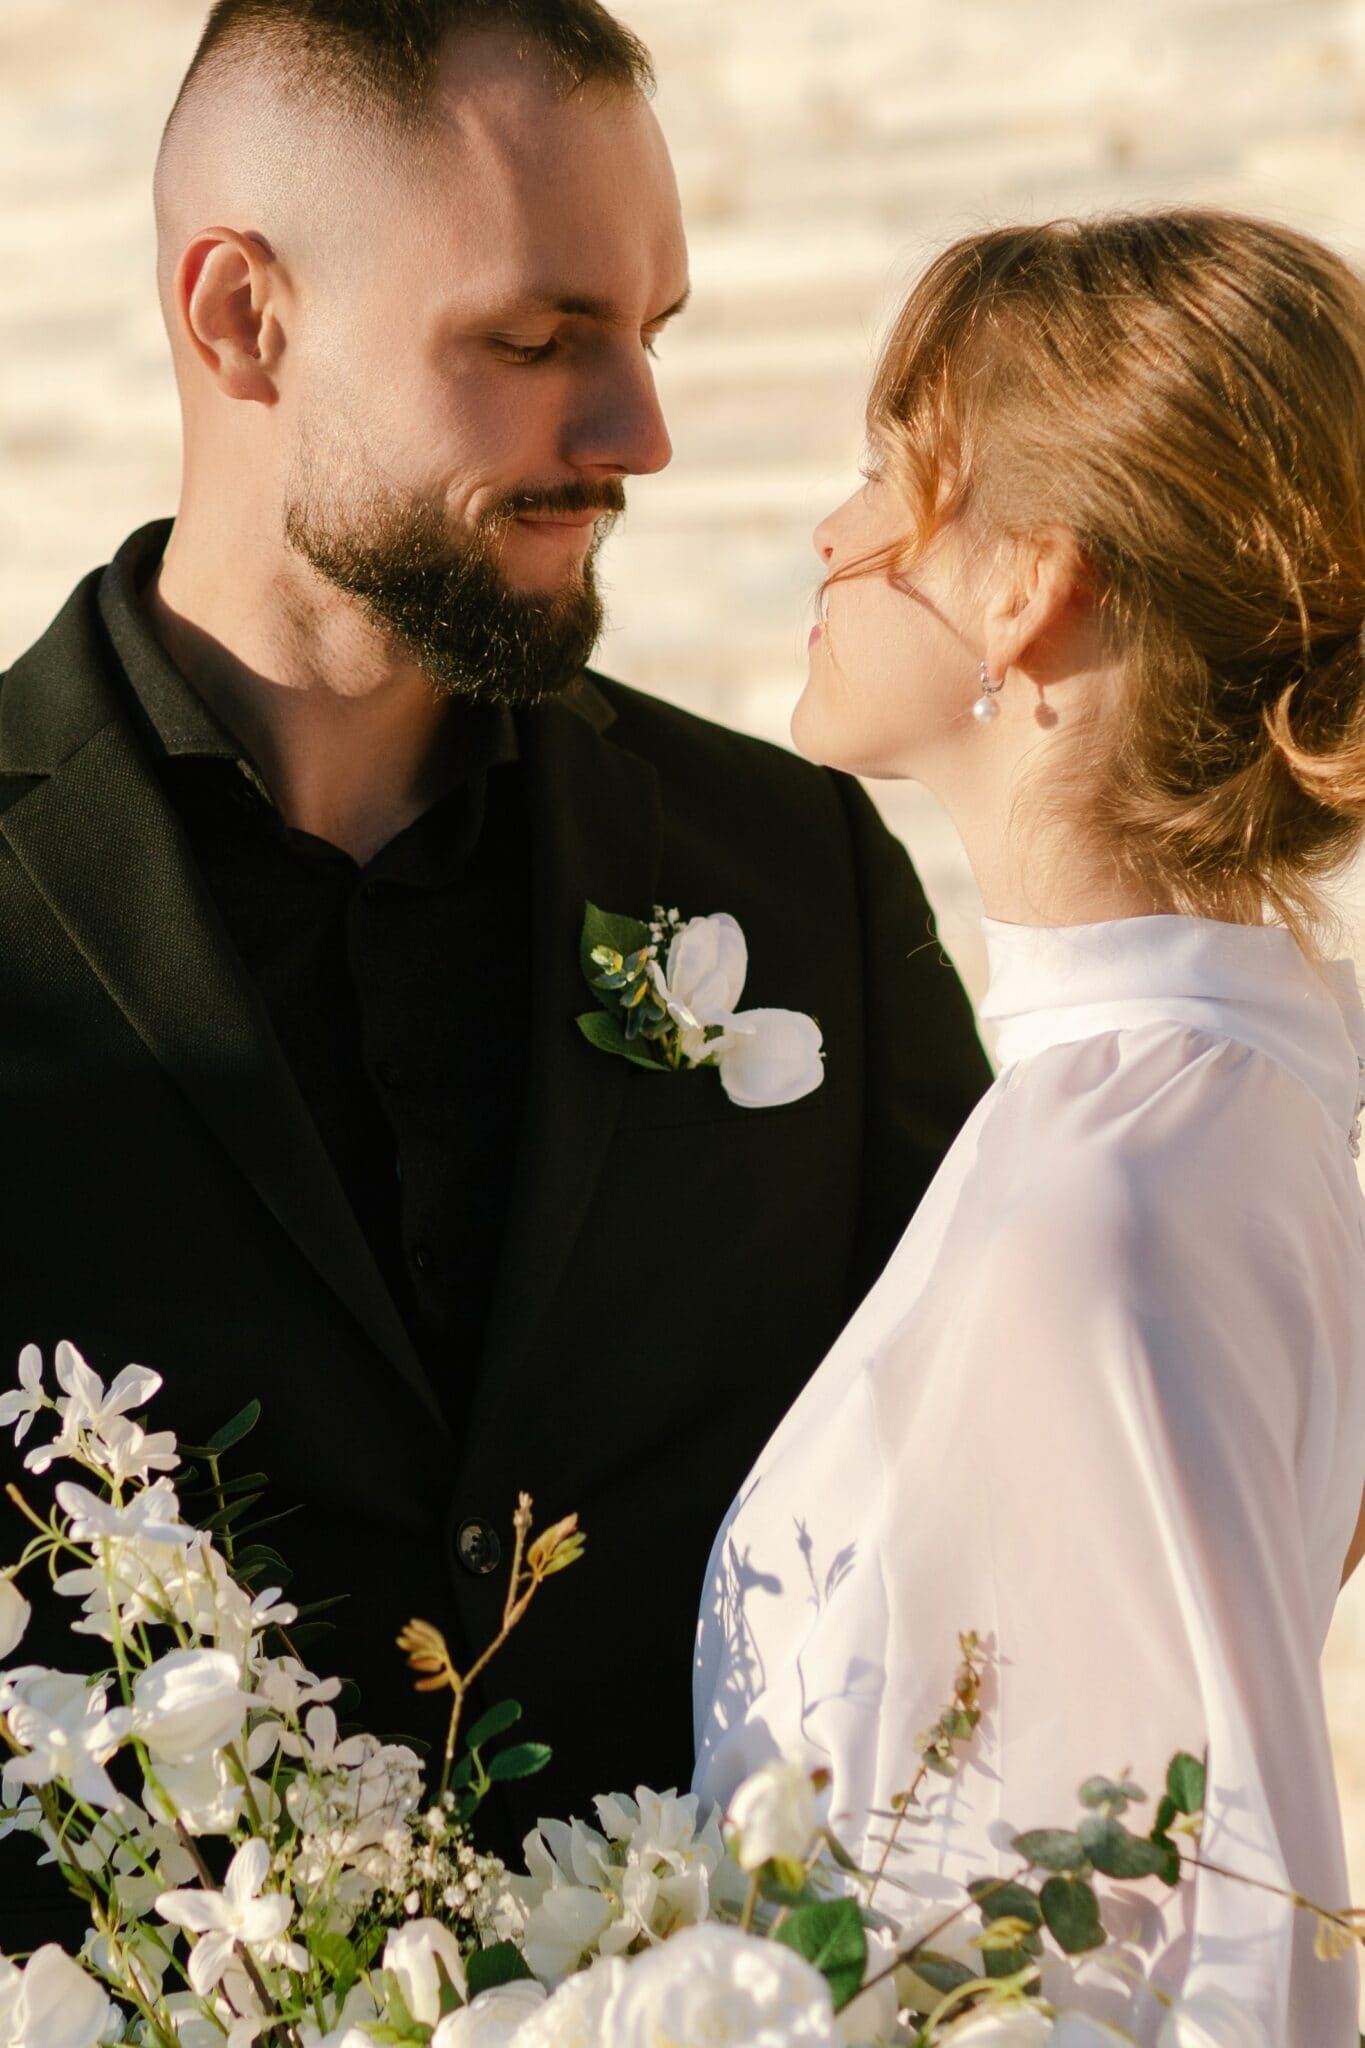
98 840
596 830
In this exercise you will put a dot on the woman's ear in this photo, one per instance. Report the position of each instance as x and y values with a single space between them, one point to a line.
225 300
1039 616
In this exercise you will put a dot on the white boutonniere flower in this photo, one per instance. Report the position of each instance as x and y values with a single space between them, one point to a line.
669 993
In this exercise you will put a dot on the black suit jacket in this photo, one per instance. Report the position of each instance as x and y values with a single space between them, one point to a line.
674 1267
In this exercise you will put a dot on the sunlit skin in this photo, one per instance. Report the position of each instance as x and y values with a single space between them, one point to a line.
895 668
455 327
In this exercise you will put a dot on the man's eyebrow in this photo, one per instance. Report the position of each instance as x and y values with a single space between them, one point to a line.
597 309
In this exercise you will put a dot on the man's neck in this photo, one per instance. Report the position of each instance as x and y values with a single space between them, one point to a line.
352 745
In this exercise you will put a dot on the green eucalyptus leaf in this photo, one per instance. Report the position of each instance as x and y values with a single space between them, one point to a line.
495 1722
603 928
830 1935
450 1996
1166 1812
523 1760
241 1425
487 1968
1169 1869
1185 1782
608 1036
1053 1849
940 1973
1112 1849
1006 1962
1072 1913
1000 1898
1099 1792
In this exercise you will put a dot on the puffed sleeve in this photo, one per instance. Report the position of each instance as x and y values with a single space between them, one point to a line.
1111 1443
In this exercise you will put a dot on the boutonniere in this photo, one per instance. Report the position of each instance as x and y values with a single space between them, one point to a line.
668 992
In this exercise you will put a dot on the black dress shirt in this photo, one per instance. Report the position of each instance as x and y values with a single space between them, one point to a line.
399 988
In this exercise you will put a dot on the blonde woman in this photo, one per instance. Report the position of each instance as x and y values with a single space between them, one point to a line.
1102 592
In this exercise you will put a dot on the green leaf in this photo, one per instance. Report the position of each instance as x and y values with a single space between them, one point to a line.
1053 1849
241 1425
1099 1792
1072 1913
1185 1782
450 1997
1112 1849
337 1957
624 935
1166 1812
503 1963
496 1721
1005 1962
829 1935
233 1512
608 1036
523 1760
1168 1870
997 1898
940 1973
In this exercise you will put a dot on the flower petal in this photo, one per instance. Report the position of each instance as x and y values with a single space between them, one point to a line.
774 1057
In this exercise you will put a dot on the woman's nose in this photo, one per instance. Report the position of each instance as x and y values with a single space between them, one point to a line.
823 538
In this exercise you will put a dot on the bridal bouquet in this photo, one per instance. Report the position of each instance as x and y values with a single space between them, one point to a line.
254 1871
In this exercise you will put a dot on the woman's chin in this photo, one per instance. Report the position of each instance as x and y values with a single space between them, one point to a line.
831 742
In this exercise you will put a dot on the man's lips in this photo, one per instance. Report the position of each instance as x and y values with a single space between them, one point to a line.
564 522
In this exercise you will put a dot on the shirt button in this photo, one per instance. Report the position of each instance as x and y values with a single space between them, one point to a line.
421 1257
477 1546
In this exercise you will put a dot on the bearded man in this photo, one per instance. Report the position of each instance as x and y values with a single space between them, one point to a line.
301 801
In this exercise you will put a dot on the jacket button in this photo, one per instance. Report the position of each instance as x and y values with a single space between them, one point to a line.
478 1547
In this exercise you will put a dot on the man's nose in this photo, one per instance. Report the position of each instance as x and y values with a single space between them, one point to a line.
622 429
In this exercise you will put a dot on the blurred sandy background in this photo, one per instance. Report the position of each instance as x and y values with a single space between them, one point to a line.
824 147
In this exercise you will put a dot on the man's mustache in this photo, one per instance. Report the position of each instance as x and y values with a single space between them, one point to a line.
607 498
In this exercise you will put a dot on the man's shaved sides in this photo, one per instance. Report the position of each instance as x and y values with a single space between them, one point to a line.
287 105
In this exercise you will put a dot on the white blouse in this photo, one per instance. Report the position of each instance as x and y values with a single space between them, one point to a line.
1106 1406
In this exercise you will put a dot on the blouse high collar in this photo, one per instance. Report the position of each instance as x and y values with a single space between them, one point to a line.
1052 985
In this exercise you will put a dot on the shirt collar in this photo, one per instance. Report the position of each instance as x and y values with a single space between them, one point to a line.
1053 985
177 722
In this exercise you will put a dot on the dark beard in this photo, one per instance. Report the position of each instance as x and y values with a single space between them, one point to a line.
447 601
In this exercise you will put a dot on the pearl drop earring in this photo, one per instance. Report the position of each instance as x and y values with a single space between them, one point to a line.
985 707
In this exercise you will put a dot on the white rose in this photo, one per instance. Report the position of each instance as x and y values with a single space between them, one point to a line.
773 1816
1002 2026
1210 2019
493 2019
573 2017
56 2004
14 1617
188 1704
728 1989
410 1953
566 1925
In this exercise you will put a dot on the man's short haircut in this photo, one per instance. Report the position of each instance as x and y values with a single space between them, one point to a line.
377 60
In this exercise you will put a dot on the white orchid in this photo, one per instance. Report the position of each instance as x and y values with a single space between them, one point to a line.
240 1912
412 1954
774 1815
648 1873
53 2003
188 1705
729 1989
18 1407
14 1616
152 1516
492 2020
67 1734
284 1684
88 1414
765 1057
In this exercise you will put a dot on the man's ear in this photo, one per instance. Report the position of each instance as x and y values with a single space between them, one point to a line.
225 301
1039 618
